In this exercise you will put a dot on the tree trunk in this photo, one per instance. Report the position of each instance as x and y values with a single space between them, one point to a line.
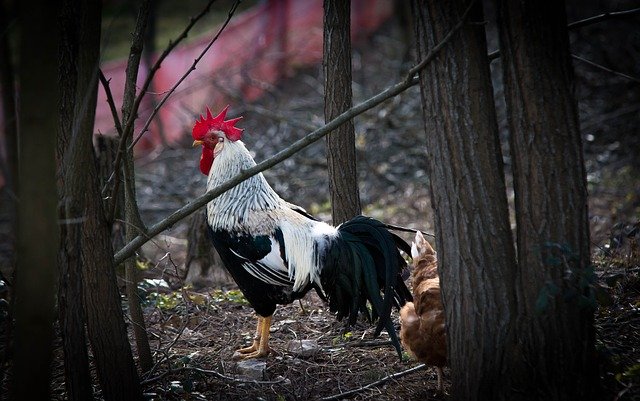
135 226
37 239
73 20
86 222
341 148
8 195
555 314
473 236
10 164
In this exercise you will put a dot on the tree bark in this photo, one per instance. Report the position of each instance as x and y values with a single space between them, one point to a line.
37 239
135 226
555 314
468 195
86 224
341 148
7 77
73 20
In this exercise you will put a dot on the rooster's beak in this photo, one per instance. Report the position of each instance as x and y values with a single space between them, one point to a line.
197 143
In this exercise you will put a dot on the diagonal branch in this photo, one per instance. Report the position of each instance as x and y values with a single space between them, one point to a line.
385 379
186 74
603 17
606 69
408 81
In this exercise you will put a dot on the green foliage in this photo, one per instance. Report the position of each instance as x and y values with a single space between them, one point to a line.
234 296
163 301
345 337
632 374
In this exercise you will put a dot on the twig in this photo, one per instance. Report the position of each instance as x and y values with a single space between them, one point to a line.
409 80
114 174
587 21
185 75
127 130
375 383
211 372
603 17
408 230
110 101
496 54
606 69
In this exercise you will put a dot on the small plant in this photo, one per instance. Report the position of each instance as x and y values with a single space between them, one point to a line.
234 296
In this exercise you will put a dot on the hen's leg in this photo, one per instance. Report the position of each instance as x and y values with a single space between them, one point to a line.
256 340
263 342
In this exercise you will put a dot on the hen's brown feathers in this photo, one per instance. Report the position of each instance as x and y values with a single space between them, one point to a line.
422 330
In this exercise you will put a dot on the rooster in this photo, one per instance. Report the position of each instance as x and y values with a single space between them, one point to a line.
276 252
422 329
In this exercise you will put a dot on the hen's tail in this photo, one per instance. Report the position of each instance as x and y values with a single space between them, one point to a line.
361 264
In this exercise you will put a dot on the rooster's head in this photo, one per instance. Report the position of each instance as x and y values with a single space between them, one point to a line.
211 133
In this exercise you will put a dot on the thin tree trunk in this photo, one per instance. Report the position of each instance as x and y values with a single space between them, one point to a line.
555 327
37 240
473 235
341 148
135 226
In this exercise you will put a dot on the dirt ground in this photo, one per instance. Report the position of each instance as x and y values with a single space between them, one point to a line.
194 333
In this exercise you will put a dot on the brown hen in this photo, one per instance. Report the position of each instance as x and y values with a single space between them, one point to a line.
422 330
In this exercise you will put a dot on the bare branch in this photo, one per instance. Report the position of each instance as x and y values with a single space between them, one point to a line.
210 372
110 101
496 54
603 68
409 80
587 21
375 383
167 51
186 74
603 17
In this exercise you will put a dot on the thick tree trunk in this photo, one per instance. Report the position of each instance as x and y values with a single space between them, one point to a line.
37 239
341 148
8 195
473 236
71 309
555 315
9 166
86 223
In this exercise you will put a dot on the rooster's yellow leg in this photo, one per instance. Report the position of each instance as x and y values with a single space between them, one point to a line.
263 342
256 339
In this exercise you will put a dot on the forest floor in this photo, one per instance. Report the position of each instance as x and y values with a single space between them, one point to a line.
194 332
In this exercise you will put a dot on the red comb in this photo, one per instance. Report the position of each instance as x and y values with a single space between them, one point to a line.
204 125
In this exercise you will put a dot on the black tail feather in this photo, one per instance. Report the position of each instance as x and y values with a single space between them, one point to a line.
364 264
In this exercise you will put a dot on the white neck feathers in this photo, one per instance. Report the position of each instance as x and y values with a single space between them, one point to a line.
237 208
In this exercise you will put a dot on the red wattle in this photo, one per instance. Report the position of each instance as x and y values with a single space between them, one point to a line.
206 160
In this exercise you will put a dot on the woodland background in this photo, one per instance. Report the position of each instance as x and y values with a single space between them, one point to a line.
193 329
